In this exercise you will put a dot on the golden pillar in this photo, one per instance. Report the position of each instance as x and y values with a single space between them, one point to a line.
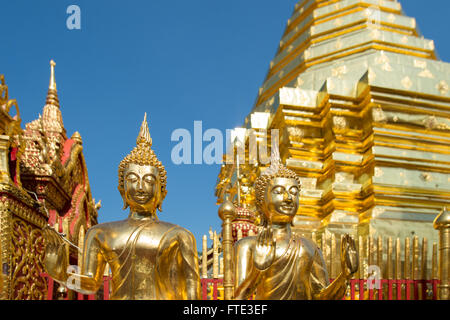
442 223
227 212
205 257
4 161
215 256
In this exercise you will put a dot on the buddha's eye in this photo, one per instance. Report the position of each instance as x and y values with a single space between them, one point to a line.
132 178
149 179
293 190
278 190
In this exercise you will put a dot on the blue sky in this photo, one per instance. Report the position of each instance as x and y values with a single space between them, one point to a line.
179 61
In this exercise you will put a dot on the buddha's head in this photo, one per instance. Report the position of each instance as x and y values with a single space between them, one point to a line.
142 177
277 193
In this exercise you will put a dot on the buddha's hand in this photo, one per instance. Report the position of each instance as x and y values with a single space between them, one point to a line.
264 254
349 257
55 258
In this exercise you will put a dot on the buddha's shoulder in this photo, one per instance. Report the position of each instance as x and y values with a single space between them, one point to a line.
308 245
171 228
130 225
107 226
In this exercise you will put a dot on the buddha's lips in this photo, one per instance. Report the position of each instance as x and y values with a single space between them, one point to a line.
142 196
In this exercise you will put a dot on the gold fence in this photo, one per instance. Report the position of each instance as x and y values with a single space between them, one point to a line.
397 268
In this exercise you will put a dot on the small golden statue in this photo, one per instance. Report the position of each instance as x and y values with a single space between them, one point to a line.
278 264
149 259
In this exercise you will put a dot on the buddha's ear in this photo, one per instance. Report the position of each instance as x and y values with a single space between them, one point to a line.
263 220
122 193
162 195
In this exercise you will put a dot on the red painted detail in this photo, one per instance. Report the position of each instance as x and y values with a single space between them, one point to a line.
401 290
52 217
50 283
106 281
66 150
215 282
204 289
60 225
434 284
13 163
385 291
77 208
13 154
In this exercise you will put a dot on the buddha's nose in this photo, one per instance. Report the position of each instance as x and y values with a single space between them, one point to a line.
287 196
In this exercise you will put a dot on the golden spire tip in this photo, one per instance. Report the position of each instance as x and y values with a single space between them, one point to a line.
52 75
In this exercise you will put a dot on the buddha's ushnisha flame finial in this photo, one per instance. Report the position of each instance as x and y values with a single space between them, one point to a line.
143 155
144 133
52 95
275 161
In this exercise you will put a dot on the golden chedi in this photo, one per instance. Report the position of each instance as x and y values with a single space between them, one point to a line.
278 264
149 259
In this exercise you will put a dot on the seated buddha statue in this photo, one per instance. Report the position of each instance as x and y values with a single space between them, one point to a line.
148 258
278 264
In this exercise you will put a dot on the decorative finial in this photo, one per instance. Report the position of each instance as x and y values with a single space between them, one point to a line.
275 161
52 84
442 220
52 95
77 137
144 133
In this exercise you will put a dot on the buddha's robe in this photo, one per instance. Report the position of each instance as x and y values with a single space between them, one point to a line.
149 260
298 274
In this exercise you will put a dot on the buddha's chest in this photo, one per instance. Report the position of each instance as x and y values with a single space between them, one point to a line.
138 246
293 260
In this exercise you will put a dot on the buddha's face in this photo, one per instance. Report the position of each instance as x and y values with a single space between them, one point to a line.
142 187
281 200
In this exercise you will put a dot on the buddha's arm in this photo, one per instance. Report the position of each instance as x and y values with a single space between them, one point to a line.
190 264
319 280
93 262
56 259
335 291
246 275
57 262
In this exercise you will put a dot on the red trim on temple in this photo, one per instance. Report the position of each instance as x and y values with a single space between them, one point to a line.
66 151
52 217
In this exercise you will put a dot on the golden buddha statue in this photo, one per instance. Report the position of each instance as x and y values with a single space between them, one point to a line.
149 259
278 264
247 190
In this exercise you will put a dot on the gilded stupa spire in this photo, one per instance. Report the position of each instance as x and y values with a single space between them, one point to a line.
52 95
363 65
